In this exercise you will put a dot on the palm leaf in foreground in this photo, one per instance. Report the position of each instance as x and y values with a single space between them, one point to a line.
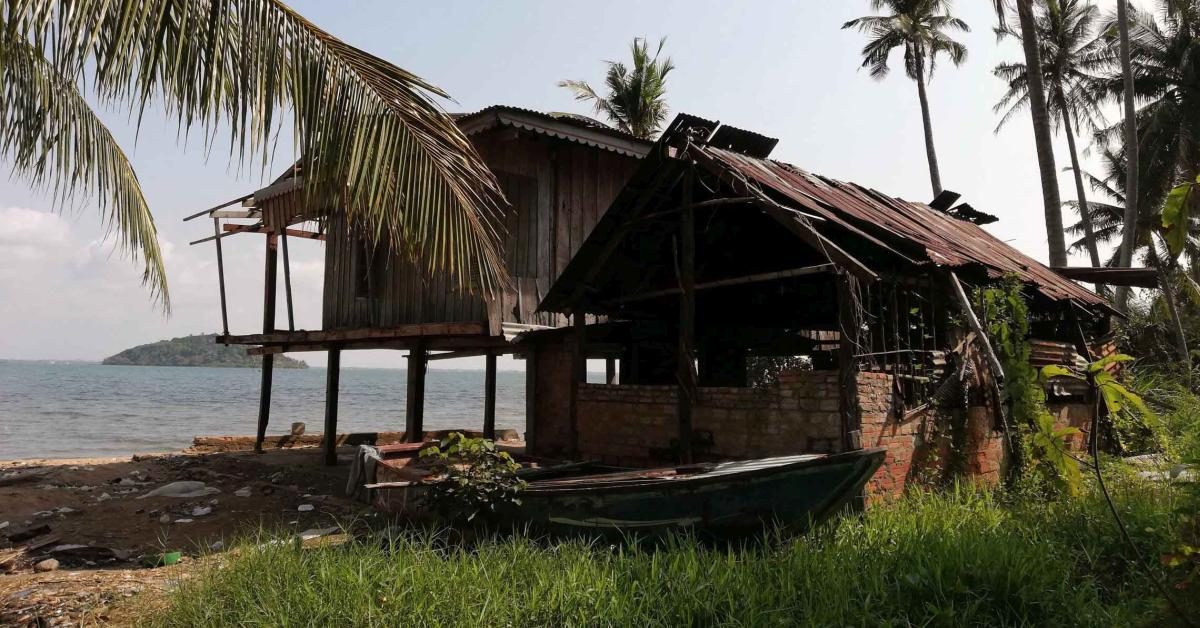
54 139
371 140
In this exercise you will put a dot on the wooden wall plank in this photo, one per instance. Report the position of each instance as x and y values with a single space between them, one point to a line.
558 190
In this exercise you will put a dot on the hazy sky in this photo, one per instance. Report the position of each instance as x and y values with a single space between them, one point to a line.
784 69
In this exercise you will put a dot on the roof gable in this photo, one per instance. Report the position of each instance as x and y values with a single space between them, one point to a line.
565 126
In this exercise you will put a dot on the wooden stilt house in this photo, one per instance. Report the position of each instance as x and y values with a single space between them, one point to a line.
559 173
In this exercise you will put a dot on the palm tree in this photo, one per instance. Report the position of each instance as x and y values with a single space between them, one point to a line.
1150 246
1108 218
370 137
1131 148
1071 60
921 28
1162 75
636 101
1051 201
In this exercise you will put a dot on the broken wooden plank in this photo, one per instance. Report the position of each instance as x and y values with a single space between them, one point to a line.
973 321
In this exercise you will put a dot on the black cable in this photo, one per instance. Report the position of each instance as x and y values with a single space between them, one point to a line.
1093 444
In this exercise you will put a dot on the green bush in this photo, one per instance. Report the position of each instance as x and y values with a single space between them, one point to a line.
473 478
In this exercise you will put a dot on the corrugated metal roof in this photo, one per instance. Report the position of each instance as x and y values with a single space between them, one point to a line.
946 241
907 232
568 126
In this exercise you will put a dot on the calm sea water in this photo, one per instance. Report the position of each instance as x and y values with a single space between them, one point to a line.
77 410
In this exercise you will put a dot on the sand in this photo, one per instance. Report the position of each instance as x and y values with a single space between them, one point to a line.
102 535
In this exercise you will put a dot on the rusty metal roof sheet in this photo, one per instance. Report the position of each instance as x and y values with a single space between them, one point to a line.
945 241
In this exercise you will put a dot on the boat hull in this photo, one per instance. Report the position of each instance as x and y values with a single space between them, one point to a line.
729 498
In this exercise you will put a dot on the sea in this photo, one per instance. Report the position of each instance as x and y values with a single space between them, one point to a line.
75 410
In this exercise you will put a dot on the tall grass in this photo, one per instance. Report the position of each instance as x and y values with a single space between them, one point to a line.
955 559
1176 428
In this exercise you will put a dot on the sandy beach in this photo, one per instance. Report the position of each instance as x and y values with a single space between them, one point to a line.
85 516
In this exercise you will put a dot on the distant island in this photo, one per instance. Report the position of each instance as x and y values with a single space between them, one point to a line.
198 350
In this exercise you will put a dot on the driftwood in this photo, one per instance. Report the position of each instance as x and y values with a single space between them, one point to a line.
27 476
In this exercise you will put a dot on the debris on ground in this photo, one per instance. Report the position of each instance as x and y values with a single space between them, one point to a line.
314 533
182 489
21 476
80 598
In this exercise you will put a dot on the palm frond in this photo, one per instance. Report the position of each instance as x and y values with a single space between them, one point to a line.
636 98
53 139
920 27
371 140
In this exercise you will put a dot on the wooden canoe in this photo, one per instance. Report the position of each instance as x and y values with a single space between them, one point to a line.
726 497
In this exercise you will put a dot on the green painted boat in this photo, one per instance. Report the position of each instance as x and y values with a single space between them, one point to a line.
720 498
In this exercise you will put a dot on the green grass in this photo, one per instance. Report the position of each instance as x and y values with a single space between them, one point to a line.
956 559
1176 428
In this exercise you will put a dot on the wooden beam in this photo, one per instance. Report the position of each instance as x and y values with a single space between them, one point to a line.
732 281
287 282
578 375
489 397
801 228
1138 277
464 353
367 333
973 321
850 327
799 223
261 228
332 375
414 411
270 286
231 229
714 202
268 361
451 344
221 279
531 372
686 357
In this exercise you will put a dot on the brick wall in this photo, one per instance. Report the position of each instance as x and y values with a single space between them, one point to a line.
1077 415
551 363
636 426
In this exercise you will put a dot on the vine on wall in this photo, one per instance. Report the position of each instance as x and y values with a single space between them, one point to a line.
1039 449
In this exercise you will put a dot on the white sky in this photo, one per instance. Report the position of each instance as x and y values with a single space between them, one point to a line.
782 68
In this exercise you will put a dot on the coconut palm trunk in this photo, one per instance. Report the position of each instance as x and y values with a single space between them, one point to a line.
1085 211
1051 201
1166 280
935 175
1129 233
